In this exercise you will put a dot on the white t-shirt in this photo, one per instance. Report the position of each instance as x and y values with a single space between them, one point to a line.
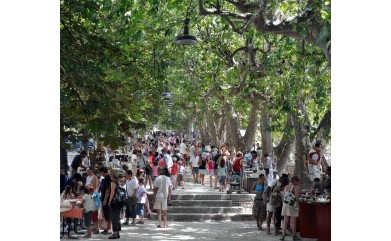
89 204
89 181
159 149
163 183
270 176
168 159
141 197
134 158
181 169
194 160
131 186
192 150
272 183
269 163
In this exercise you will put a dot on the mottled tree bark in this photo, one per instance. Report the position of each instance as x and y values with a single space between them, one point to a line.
211 124
232 132
266 135
302 145
253 121
222 127
284 148
323 135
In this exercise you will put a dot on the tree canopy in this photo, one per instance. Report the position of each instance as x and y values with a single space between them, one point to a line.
256 63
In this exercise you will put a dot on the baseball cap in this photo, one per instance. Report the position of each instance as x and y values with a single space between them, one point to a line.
90 188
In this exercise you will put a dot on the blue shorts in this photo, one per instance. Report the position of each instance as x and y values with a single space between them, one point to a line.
222 180
140 209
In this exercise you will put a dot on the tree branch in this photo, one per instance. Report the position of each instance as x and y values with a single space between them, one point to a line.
84 106
204 11
66 28
237 51
234 28
244 7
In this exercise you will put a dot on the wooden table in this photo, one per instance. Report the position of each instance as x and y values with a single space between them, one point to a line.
75 213
323 219
308 225
315 220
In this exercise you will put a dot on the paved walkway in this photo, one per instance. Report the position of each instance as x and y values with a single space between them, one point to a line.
209 230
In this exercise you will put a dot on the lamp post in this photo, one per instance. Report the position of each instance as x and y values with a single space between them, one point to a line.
186 38
167 96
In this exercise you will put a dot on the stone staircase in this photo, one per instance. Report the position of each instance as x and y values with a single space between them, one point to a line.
201 203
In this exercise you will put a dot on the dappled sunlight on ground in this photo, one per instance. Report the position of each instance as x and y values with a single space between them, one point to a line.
209 230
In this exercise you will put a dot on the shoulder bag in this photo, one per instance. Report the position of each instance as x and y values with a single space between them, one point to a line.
290 198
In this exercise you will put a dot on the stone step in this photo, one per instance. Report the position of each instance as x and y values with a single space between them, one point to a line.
215 210
214 196
203 203
200 197
194 217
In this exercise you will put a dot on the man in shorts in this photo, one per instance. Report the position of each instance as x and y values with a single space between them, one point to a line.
161 192
194 166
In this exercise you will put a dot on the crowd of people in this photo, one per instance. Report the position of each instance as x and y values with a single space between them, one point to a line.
159 162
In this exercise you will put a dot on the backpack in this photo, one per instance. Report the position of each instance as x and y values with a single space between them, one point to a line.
119 199
276 198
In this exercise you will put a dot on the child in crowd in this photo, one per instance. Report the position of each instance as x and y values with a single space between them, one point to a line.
181 174
222 172
210 167
142 196
174 173
89 206
154 170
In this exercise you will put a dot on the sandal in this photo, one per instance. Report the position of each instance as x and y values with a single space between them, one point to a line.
283 238
140 222
295 238
112 236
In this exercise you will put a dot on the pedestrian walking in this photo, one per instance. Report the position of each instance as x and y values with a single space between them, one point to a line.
142 196
162 195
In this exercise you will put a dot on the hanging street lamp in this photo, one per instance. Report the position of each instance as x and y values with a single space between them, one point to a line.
186 38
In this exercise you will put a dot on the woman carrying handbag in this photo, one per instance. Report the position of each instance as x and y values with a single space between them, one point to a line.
290 209
259 206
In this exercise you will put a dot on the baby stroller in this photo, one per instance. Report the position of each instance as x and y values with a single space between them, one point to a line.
234 181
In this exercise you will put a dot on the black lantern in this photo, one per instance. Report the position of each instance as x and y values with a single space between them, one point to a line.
167 96
186 38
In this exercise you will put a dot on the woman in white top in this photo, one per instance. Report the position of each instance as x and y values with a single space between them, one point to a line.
289 211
